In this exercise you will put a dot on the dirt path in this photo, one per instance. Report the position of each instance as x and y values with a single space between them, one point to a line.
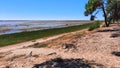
101 47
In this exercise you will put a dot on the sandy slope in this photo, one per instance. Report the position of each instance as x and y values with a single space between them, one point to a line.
98 46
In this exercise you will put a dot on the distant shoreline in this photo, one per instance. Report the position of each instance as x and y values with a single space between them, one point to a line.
32 35
47 20
15 26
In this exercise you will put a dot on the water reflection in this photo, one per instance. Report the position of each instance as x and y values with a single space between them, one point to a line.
20 26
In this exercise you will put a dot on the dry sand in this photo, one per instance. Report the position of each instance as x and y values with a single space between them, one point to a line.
101 46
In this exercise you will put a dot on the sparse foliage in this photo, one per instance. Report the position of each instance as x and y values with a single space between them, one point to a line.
110 8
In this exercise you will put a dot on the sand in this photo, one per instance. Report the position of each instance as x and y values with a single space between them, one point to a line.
102 46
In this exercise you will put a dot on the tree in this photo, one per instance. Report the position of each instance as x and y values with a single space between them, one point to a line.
110 8
113 10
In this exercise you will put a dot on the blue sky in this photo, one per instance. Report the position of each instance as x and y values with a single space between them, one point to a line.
43 10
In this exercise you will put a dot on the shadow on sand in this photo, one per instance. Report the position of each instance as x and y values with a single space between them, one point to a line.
115 35
109 30
116 53
68 63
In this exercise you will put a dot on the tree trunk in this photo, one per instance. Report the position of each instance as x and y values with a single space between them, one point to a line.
105 15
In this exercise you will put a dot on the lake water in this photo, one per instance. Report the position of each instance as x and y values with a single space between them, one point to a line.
12 26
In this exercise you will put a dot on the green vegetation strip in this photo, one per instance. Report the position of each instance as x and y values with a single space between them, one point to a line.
9 39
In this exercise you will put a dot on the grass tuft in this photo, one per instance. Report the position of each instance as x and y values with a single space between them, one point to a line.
94 26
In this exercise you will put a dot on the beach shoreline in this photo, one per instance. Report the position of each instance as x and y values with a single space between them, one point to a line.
16 26
31 35
97 47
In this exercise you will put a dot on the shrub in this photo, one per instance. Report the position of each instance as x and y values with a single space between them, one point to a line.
94 26
77 35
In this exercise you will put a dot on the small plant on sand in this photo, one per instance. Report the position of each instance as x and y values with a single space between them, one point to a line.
39 45
77 35
36 56
94 26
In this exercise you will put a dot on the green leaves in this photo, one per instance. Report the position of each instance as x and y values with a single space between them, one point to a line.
113 9
110 8
91 6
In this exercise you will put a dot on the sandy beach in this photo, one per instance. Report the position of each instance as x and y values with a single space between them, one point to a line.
89 49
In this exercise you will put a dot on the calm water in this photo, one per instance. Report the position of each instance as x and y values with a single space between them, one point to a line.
8 27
